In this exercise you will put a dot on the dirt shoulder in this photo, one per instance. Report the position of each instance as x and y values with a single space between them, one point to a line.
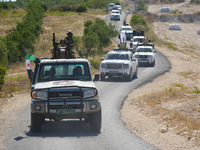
150 124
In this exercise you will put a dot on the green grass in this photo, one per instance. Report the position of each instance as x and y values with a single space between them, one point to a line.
196 91
176 12
171 46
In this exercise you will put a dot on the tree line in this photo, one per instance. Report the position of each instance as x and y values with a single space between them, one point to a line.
97 35
50 3
22 37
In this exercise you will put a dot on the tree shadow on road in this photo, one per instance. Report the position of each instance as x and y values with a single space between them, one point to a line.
64 129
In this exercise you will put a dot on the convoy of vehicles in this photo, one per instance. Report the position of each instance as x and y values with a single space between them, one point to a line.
116 10
63 88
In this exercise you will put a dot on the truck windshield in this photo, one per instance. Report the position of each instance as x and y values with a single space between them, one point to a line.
144 50
118 56
69 71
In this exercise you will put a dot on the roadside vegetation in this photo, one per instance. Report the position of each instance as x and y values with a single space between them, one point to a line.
83 25
184 121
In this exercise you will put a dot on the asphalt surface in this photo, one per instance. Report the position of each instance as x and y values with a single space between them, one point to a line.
76 135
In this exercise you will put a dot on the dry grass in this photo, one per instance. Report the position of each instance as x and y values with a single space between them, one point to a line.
9 19
178 108
60 25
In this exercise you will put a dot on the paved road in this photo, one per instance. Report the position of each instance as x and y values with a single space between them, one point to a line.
75 135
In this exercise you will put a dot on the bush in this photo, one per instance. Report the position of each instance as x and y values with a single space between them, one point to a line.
138 22
25 34
95 64
81 9
4 53
142 6
176 11
68 8
4 5
2 75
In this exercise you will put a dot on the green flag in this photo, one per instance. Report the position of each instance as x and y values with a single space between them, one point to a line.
28 58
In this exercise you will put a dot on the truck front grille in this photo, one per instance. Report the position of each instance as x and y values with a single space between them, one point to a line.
114 66
69 94
65 93
143 56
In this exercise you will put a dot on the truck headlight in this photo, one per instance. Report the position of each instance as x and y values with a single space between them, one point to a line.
150 56
89 92
103 65
40 95
125 66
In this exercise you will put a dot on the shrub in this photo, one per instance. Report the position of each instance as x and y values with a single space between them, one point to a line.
95 64
3 5
68 8
3 52
138 22
197 91
142 6
171 46
81 9
2 75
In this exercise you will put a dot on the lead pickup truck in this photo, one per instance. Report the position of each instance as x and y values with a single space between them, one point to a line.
64 89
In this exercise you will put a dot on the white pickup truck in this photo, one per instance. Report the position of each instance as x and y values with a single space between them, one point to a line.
145 55
64 89
119 63
135 40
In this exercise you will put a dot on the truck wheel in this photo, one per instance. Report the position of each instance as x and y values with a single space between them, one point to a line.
35 122
136 73
95 121
102 77
129 77
153 64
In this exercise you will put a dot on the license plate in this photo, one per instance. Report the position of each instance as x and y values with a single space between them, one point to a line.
65 111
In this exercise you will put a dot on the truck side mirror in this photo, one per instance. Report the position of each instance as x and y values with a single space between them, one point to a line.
96 77
102 58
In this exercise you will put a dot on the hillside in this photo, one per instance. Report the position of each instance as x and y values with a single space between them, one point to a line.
166 112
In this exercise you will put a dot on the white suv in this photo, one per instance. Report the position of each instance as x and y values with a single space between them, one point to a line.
115 15
119 63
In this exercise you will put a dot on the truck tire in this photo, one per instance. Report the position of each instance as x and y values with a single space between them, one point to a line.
95 121
153 64
102 77
129 77
36 122
136 73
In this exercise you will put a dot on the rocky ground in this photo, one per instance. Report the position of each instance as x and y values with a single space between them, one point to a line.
151 126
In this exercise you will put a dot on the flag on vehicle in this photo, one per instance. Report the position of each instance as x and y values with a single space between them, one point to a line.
28 59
